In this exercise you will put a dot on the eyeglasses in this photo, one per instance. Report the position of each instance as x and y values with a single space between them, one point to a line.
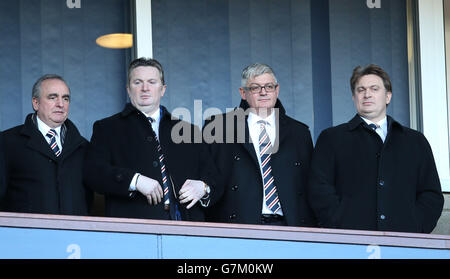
256 89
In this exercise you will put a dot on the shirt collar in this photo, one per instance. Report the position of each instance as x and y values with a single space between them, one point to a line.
155 115
382 123
253 119
44 128
357 120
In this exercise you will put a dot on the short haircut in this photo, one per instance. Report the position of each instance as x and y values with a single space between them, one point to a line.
255 70
146 62
370 69
36 91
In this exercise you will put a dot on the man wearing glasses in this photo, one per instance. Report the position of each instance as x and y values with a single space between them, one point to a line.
263 156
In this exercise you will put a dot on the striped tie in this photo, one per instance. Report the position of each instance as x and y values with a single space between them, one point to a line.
53 145
166 182
270 191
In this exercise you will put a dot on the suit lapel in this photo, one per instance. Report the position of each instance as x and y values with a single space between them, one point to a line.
36 141
70 139
247 144
281 131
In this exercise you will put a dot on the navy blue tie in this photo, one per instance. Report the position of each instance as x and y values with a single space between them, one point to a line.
373 126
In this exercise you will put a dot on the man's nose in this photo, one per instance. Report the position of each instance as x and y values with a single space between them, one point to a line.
145 86
263 91
60 102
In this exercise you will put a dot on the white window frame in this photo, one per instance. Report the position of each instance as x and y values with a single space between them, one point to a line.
143 28
433 85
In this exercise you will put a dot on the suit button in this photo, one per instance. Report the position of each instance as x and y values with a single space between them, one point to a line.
381 183
234 188
237 158
378 154
155 164
149 139
382 217
232 216
297 164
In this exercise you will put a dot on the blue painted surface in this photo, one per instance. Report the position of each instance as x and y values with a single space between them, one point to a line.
201 247
21 243
18 243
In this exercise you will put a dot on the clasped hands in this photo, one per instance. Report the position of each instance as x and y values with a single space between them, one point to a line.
191 191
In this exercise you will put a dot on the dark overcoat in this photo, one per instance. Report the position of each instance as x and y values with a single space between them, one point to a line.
357 182
124 144
239 168
36 181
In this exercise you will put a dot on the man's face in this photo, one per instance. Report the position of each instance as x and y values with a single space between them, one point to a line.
263 100
146 89
52 107
371 98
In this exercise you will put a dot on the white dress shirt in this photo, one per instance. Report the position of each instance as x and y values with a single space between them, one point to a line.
157 119
381 127
255 129
44 128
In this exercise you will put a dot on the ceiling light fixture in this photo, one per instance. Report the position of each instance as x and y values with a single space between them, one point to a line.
116 40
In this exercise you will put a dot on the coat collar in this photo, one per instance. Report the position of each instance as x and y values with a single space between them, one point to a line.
70 137
244 105
30 127
357 121
130 109
280 118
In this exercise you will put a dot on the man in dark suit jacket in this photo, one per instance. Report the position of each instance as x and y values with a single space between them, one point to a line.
372 173
44 156
250 164
146 162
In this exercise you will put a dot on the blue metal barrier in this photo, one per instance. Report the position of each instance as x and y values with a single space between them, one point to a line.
36 236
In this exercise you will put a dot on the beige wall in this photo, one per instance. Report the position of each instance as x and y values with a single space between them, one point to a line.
443 225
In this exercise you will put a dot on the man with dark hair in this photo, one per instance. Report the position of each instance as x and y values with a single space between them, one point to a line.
44 157
263 156
140 166
372 173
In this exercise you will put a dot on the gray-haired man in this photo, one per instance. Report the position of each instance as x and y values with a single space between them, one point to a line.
44 156
265 172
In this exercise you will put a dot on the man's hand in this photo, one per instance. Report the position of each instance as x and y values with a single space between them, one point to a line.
150 188
191 191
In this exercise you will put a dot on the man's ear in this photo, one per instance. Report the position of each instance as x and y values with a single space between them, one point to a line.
388 97
35 103
242 92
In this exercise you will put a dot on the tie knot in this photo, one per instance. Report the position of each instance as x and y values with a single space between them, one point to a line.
374 126
262 124
51 133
